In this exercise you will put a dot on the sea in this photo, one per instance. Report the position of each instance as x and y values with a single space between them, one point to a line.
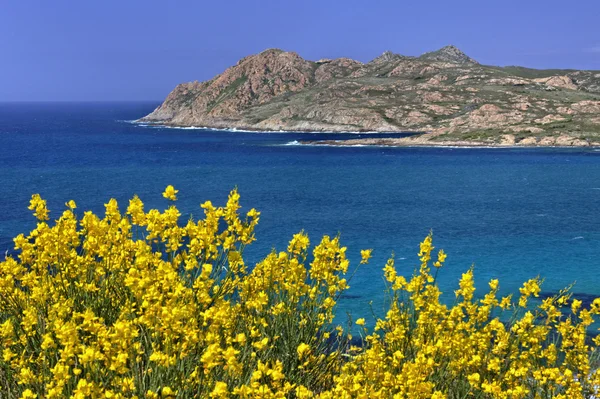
511 213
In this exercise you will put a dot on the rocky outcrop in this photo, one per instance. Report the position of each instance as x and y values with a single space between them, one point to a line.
564 82
587 107
507 140
388 56
252 81
338 68
448 54
444 93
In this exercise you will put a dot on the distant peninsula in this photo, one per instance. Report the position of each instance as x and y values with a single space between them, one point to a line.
444 95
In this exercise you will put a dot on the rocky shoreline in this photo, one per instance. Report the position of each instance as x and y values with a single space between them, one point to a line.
507 141
413 139
451 144
306 128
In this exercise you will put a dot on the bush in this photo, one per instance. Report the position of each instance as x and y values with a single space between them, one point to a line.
137 305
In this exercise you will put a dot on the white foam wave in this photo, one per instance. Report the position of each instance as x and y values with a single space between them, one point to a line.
295 142
321 144
234 129
577 238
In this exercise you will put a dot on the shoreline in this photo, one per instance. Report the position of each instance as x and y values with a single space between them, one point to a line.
412 138
433 144
248 129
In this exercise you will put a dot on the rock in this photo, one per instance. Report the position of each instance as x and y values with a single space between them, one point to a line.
547 141
414 118
525 128
450 54
338 68
388 56
586 107
429 69
438 109
487 109
523 106
563 82
432 96
407 67
509 82
437 79
568 141
565 110
507 139
550 118
528 141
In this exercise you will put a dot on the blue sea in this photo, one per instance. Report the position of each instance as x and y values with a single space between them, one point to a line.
512 213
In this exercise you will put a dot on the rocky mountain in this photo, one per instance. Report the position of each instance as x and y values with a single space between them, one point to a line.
448 54
445 95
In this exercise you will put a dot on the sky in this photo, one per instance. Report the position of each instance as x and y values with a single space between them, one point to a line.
130 50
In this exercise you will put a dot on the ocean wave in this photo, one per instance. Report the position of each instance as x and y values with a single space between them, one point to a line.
295 142
234 129
212 129
317 143
577 238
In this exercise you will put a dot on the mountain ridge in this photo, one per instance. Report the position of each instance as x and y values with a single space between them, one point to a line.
444 93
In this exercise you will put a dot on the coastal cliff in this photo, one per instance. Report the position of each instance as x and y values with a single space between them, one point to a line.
446 96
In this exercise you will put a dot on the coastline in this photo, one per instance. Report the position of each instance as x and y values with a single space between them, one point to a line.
251 129
412 139
436 144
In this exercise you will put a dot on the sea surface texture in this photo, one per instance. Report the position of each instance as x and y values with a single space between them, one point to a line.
512 213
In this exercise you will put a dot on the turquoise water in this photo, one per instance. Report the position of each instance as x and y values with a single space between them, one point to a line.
513 213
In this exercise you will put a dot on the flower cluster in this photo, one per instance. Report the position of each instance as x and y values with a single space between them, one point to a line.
486 347
137 304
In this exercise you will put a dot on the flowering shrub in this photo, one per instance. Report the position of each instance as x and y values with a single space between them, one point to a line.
135 304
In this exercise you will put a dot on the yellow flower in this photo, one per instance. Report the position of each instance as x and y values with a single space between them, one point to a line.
303 349
575 305
493 284
220 390
28 394
38 205
360 322
365 255
441 258
303 393
170 193
259 345
474 379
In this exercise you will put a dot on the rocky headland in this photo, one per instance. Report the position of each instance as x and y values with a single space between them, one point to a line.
444 95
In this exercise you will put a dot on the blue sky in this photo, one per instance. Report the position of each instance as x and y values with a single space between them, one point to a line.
139 50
